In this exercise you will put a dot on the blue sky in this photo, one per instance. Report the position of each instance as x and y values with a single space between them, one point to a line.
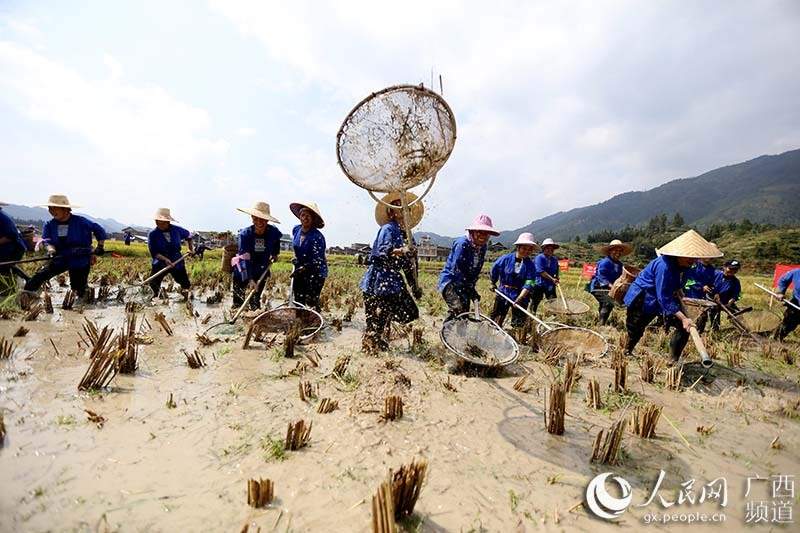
206 106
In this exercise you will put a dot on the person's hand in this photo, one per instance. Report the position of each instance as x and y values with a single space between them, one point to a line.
251 285
170 263
687 323
51 252
779 297
556 281
494 287
417 292
707 289
99 250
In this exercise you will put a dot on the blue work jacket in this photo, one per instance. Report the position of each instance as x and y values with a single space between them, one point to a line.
791 277
606 272
311 251
383 276
9 229
511 276
73 239
168 244
695 278
727 288
659 281
545 264
463 265
261 248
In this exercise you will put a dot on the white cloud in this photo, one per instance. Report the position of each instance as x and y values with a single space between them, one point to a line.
558 105
143 126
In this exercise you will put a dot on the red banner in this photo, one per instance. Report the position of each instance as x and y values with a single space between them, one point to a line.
588 270
563 265
780 270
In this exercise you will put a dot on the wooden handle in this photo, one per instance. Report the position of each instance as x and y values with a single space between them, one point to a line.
784 300
165 269
250 295
563 298
705 359
536 318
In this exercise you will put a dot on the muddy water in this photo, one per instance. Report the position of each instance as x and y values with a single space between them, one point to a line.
492 466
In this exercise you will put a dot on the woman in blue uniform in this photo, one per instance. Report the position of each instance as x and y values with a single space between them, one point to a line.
656 291
310 265
726 290
698 281
164 243
463 267
68 239
386 296
259 246
606 272
791 316
546 274
512 274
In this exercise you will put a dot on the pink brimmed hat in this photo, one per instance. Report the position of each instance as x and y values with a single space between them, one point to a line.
526 239
483 223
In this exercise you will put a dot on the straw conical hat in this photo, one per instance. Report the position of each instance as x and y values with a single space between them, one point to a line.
690 244
415 212
163 214
259 210
58 200
296 207
627 247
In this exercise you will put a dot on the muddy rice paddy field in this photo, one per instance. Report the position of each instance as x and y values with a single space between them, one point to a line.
171 448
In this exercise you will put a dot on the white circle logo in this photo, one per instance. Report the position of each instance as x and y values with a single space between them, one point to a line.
604 504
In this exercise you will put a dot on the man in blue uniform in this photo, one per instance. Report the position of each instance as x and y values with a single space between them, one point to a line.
546 274
310 264
656 291
512 274
726 290
791 316
259 246
68 239
164 243
463 267
386 296
606 272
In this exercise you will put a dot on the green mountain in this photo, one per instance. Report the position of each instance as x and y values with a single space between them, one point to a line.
764 190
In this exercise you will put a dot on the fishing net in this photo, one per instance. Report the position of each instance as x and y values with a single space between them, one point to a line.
280 319
573 307
714 380
695 306
481 342
396 139
581 342
760 320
